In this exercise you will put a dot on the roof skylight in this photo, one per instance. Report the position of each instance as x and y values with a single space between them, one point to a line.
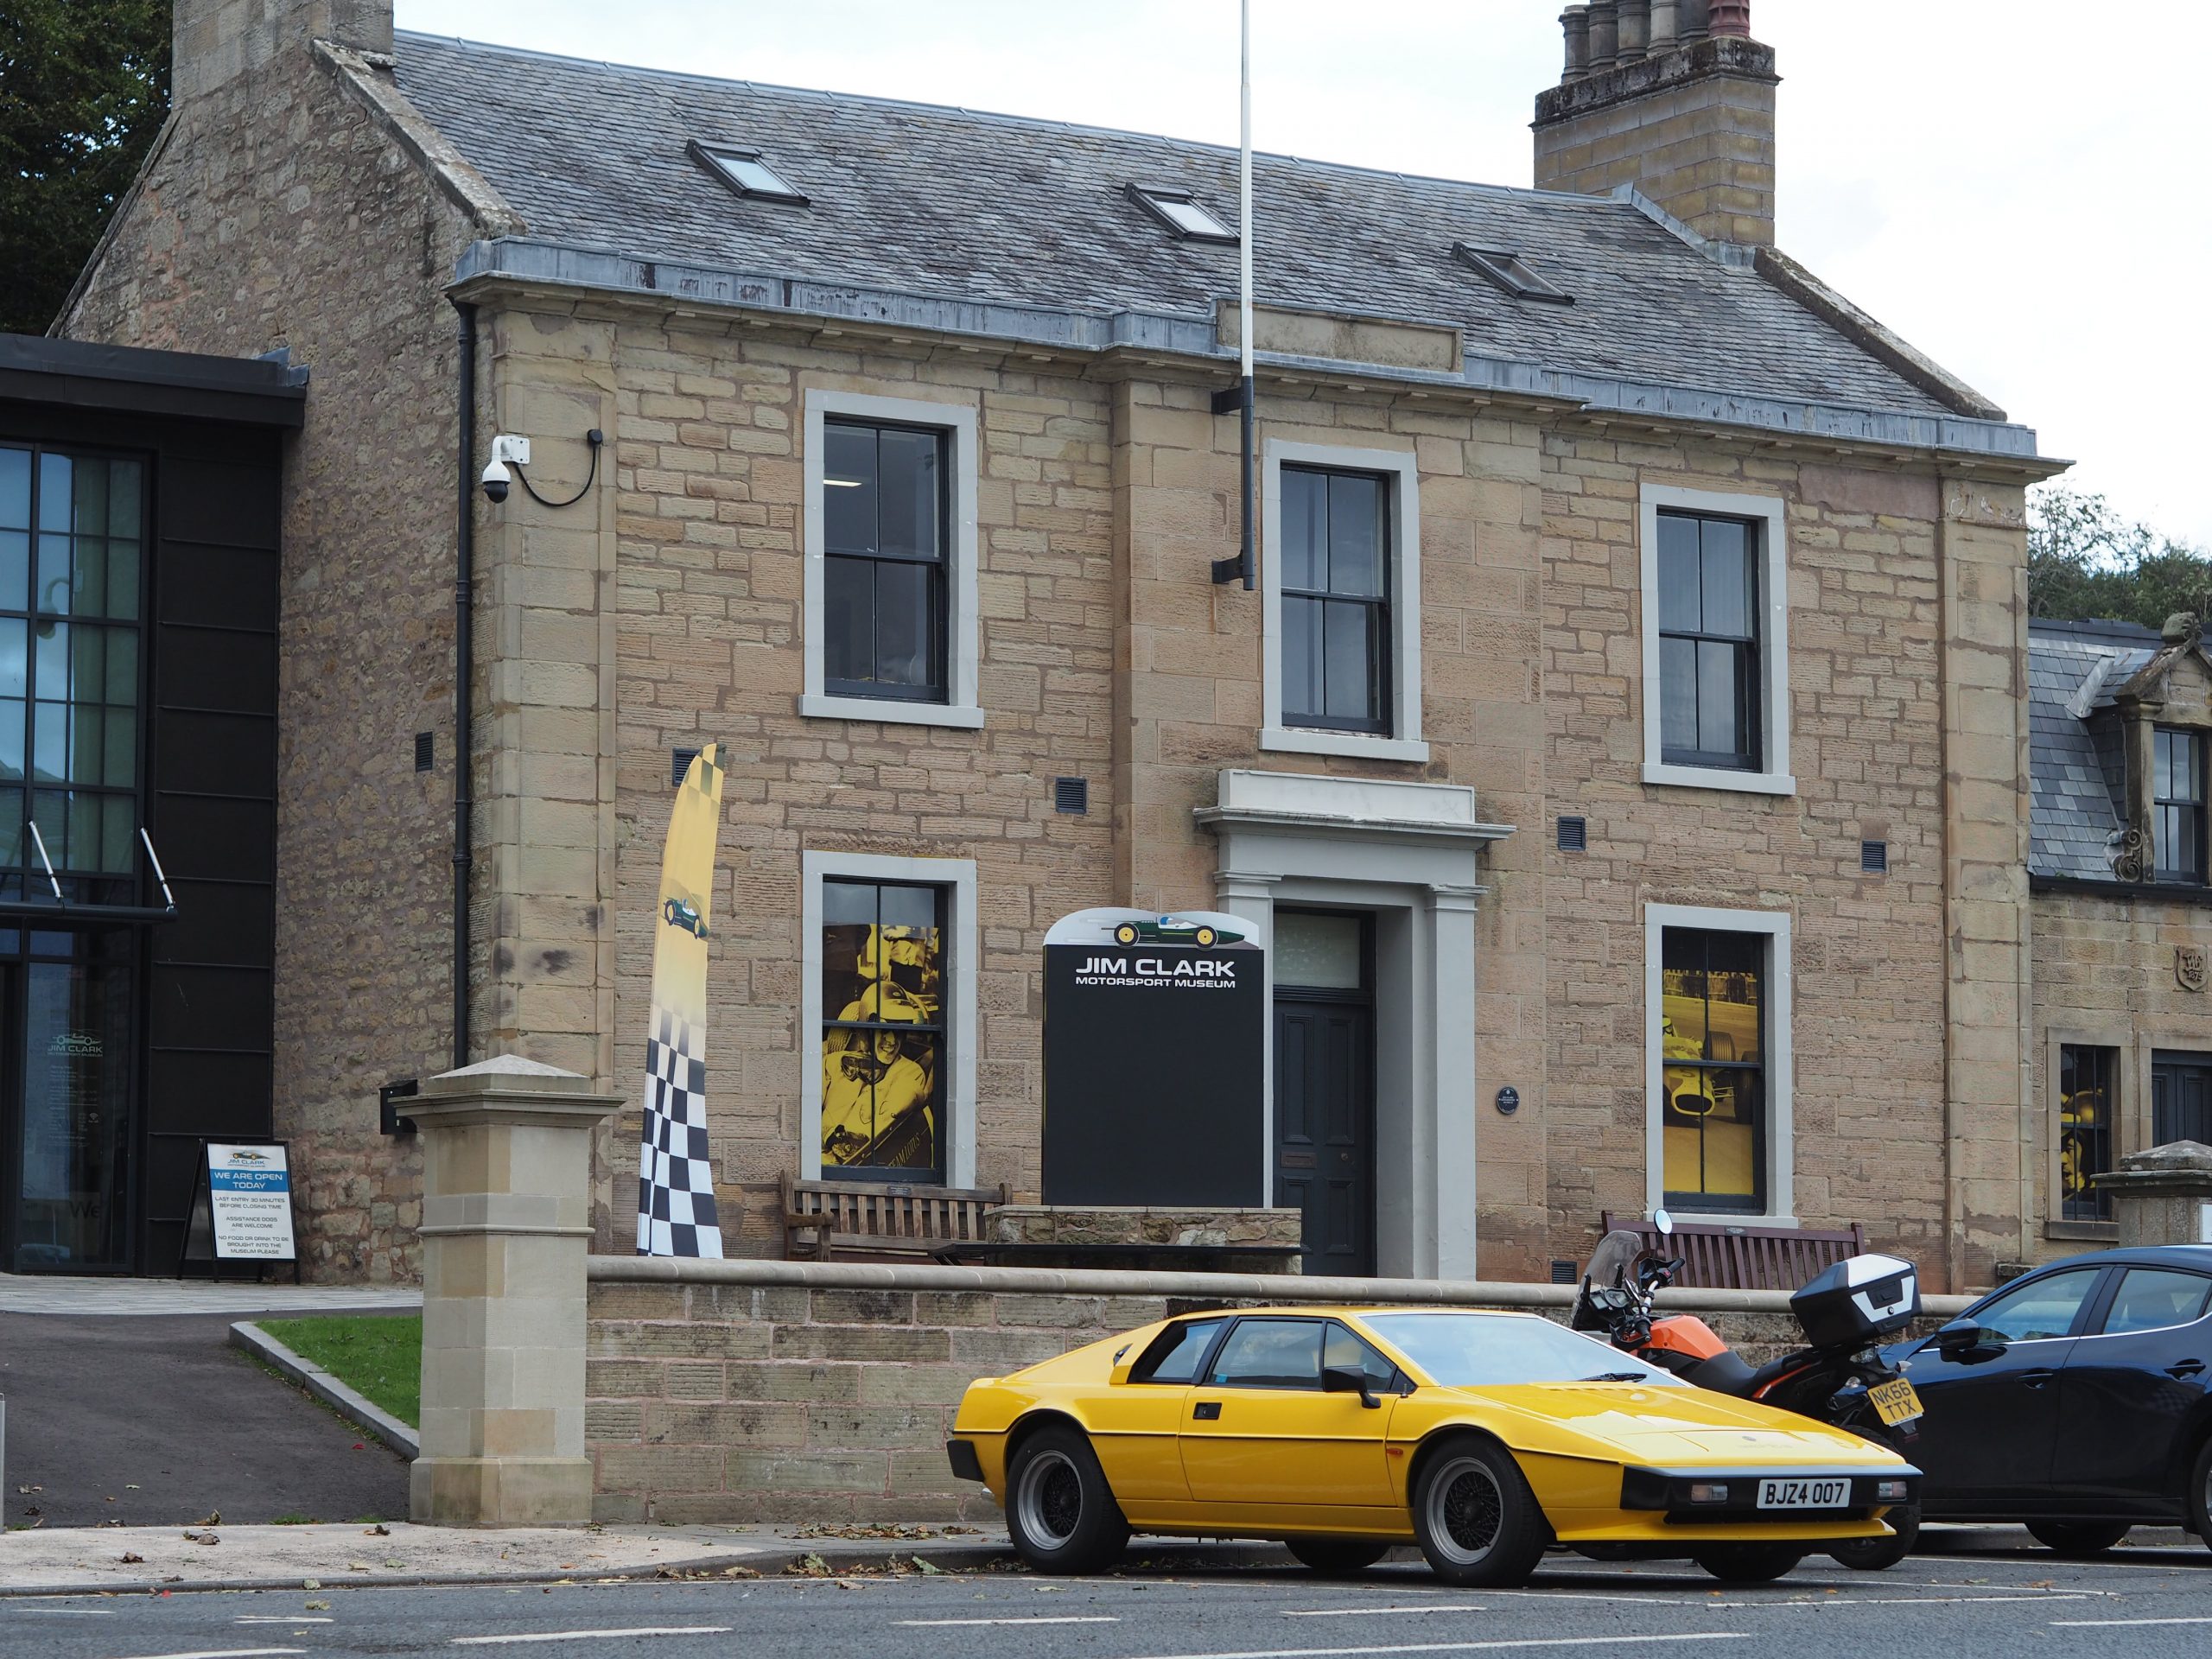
1182 213
745 172
1512 273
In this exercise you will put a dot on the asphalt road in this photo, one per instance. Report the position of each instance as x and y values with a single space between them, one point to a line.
2145 1604
159 1421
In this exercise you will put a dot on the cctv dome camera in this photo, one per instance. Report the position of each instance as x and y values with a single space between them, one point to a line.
495 482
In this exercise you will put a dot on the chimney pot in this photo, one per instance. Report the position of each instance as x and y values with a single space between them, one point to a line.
1605 34
1733 17
1575 23
1665 27
1634 31
1696 23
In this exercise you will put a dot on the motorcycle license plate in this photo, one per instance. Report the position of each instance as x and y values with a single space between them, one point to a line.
1804 1494
1895 1401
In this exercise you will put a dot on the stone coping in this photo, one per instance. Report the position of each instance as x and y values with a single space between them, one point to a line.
1215 1287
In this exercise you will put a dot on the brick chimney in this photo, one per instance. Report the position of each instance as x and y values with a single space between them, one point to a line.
215 42
1673 97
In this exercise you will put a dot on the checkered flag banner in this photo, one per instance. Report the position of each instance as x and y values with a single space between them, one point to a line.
675 1176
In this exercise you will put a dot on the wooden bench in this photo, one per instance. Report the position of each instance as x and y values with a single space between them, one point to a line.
825 1220
1718 1255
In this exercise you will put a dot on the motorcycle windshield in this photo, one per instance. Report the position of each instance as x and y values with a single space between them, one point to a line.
1615 1254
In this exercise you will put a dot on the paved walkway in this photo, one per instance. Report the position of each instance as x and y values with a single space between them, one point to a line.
51 1294
161 1421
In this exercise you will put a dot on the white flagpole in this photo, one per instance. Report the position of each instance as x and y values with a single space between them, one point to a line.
1245 561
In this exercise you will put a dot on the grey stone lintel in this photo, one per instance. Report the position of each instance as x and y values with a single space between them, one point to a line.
530 262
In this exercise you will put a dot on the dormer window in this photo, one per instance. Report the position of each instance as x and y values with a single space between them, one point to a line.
1182 213
746 173
2178 804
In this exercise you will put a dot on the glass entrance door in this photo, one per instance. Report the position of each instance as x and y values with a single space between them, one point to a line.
67 1032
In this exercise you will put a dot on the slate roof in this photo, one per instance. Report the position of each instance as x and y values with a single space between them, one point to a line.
951 203
2075 764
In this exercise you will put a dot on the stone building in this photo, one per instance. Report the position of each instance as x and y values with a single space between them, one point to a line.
1624 715
2123 1055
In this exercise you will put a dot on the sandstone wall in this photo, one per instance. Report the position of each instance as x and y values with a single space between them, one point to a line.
744 1403
278 212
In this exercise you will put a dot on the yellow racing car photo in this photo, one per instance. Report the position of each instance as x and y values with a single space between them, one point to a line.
1483 1437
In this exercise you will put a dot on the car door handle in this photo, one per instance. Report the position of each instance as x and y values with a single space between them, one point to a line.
1206 1411
2186 1368
2036 1379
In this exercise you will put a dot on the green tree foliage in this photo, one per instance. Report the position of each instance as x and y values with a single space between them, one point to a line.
84 88
2085 561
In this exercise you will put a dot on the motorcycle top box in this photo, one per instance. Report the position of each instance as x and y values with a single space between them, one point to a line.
1860 1299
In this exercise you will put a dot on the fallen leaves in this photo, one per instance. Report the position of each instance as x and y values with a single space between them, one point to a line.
379 1530
192 1537
131 1558
317 1607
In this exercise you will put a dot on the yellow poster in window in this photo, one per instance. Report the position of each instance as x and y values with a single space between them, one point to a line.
676 1179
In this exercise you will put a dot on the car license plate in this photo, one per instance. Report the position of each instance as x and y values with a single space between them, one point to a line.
1804 1494
1895 1401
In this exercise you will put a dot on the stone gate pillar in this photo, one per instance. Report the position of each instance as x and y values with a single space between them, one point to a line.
2163 1195
506 1224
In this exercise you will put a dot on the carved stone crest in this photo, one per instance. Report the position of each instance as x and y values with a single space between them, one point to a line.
2188 966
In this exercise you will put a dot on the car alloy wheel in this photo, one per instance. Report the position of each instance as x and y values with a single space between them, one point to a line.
1477 1521
1125 934
2200 1488
1051 1499
1873 1555
1059 1509
1465 1509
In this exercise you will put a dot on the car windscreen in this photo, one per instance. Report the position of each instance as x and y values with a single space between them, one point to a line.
1475 1350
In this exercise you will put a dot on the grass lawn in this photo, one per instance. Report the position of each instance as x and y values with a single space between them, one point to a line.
379 1355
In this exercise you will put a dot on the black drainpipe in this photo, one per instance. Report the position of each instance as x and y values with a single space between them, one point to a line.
464 669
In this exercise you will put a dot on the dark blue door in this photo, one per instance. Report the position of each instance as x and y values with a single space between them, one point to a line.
2128 1391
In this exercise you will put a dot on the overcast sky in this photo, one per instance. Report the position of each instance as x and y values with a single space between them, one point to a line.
2012 185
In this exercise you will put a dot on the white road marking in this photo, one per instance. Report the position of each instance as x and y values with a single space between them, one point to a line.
284 1619
1071 1618
1914 1601
575 1635
2102 1624
1361 1612
1470 1647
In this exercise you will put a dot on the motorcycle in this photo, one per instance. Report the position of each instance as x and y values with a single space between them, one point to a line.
1839 1377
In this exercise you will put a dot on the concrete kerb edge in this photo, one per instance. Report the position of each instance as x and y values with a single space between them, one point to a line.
355 1408
1221 1287
769 1563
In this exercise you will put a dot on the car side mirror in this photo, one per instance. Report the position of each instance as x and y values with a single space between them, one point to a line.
1663 1222
1963 1337
1350 1379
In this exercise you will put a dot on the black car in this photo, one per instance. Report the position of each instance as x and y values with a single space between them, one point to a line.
2075 1399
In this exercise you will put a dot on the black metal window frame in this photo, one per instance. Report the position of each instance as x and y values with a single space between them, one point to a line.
2087 1139
1381 605
2176 819
1708 1202
1748 649
24 877
939 1031
939 688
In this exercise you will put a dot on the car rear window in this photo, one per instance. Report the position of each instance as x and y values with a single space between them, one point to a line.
2149 1298
1476 1350
1175 1352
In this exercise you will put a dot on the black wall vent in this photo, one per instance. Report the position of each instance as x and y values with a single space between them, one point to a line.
1573 834
1071 795
679 762
1874 857
426 751
1563 1273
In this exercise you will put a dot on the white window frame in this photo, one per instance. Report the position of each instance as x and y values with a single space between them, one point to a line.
1768 513
961 1025
1781 1139
1401 469
964 603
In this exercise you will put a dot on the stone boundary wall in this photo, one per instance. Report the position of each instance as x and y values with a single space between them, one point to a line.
741 1391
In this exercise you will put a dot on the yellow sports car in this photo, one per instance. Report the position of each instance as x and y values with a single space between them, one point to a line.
1484 1438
